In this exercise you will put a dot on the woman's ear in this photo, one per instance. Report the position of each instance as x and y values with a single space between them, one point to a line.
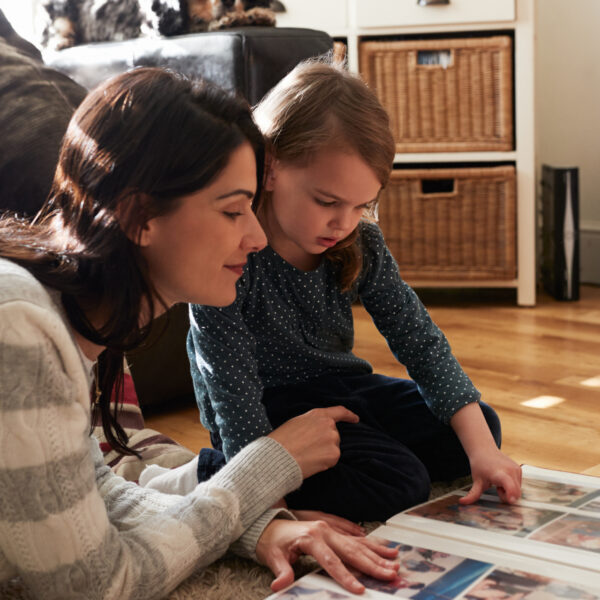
271 167
132 217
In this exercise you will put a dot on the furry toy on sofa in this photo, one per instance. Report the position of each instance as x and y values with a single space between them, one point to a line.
67 23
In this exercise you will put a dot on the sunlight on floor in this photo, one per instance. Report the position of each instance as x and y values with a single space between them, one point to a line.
543 401
592 382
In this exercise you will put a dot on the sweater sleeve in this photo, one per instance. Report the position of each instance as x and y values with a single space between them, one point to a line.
412 336
71 528
224 367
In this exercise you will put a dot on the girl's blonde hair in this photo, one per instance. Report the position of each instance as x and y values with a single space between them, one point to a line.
320 104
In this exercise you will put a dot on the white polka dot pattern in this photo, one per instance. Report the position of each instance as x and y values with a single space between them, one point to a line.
289 326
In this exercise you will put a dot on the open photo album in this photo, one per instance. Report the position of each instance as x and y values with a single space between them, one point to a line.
544 547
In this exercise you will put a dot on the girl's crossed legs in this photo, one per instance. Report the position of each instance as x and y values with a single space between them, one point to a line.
388 459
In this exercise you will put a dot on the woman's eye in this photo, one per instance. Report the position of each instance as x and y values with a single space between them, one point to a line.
232 214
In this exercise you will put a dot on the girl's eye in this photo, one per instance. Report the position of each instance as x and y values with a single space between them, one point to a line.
324 203
233 215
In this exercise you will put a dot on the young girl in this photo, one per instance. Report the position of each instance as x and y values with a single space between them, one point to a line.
285 345
151 205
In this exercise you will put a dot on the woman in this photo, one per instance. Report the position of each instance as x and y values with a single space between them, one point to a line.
151 205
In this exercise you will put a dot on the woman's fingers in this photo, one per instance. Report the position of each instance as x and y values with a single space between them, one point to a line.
283 541
313 439
366 558
339 524
380 548
281 568
316 546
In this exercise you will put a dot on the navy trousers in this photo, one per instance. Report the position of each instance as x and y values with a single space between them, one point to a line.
388 459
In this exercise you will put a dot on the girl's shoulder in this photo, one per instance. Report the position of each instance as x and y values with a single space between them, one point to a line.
371 240
370 234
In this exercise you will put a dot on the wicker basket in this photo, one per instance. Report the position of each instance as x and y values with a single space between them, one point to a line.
445 224
448 95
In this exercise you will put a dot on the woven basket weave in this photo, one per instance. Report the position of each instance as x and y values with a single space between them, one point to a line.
464 232
460 101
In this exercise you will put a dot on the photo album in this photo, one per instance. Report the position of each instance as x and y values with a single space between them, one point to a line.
544 547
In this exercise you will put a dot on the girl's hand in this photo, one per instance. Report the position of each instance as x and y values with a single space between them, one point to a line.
338 524
313 439
283 542
491 467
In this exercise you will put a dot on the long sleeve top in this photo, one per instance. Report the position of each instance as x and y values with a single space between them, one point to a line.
71 528
288 326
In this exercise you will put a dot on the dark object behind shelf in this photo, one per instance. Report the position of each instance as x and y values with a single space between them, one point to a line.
560 232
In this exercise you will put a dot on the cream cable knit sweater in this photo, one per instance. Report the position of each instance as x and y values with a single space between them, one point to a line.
69 527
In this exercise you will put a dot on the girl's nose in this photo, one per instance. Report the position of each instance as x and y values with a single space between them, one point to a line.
342 220
254 238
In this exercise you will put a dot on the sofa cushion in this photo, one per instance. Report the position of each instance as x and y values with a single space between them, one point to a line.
36 103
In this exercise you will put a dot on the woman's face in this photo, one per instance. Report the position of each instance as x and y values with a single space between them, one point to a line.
196 253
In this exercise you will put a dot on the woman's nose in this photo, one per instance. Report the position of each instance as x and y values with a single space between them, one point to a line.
254 239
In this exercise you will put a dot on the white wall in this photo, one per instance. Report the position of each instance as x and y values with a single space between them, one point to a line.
20 14
568 108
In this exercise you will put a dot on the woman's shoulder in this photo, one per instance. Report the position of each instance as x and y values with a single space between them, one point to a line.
17 284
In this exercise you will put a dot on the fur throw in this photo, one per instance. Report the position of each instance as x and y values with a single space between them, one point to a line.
36 103
67 23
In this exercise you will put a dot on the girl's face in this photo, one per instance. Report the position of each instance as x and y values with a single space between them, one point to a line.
196 253
315 206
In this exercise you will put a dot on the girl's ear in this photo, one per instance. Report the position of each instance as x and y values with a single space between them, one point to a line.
271 166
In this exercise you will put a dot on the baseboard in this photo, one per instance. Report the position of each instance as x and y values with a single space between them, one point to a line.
589 252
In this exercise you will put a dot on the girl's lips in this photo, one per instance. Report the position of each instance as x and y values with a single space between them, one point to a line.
327 242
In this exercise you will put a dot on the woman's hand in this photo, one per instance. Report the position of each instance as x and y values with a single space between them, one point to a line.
284 541
492 467
338 524
313 439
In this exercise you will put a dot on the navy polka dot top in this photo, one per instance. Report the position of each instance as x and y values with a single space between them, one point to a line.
289 326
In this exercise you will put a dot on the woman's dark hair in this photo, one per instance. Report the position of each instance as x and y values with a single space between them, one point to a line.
133 148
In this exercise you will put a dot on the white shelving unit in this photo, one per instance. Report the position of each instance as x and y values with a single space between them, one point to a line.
354 19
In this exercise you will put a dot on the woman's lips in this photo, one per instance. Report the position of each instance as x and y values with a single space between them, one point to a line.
237 269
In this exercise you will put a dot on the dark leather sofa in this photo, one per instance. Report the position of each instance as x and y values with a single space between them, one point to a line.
247 60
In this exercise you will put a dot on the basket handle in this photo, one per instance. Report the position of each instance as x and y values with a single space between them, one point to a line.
434 58
438 188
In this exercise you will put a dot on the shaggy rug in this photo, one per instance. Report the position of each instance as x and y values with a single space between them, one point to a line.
233 578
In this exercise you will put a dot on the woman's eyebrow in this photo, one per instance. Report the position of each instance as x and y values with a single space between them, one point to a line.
238 192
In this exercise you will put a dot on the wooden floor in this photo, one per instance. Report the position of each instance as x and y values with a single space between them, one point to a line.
538 367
